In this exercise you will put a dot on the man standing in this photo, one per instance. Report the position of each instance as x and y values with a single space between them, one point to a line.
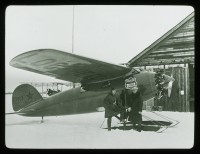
135 104
112 107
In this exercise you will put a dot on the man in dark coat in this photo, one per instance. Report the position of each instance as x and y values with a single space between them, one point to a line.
135 104
112 107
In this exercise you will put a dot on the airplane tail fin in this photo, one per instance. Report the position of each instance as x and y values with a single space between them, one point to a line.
23 95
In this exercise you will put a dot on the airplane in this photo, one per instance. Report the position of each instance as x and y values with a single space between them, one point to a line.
96 78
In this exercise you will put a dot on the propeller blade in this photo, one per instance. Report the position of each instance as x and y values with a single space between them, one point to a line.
170 88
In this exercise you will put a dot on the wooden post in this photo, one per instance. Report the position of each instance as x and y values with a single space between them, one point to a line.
73 36
191 86
187 91
183 88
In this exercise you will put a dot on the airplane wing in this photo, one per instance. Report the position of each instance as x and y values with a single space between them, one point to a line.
67 66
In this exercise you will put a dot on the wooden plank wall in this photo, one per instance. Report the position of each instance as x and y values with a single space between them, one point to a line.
178 102
191 78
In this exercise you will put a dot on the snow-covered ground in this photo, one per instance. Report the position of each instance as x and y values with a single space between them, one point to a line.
83 131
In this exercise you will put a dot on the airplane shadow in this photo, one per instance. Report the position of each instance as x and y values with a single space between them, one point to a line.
146 125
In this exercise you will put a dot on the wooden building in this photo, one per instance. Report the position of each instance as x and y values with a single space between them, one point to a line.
174 47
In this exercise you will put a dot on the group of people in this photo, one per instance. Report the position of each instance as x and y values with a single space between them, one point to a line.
128 105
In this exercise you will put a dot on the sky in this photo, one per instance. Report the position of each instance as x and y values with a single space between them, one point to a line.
109 33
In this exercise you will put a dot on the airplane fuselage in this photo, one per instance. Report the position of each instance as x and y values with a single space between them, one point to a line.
75 101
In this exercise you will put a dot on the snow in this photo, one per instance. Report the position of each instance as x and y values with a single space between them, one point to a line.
83 131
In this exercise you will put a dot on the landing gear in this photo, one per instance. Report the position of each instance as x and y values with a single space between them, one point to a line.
42 120
124 125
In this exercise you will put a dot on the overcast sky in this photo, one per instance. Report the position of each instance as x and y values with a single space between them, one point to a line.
109 33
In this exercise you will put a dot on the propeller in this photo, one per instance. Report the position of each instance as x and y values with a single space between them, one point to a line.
163 83
170 88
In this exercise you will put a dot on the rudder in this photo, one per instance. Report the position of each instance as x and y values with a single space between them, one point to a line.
23 95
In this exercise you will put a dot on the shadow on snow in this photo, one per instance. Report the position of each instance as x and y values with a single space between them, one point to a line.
146 125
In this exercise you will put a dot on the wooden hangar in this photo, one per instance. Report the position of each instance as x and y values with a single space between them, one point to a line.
174 47
174 51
